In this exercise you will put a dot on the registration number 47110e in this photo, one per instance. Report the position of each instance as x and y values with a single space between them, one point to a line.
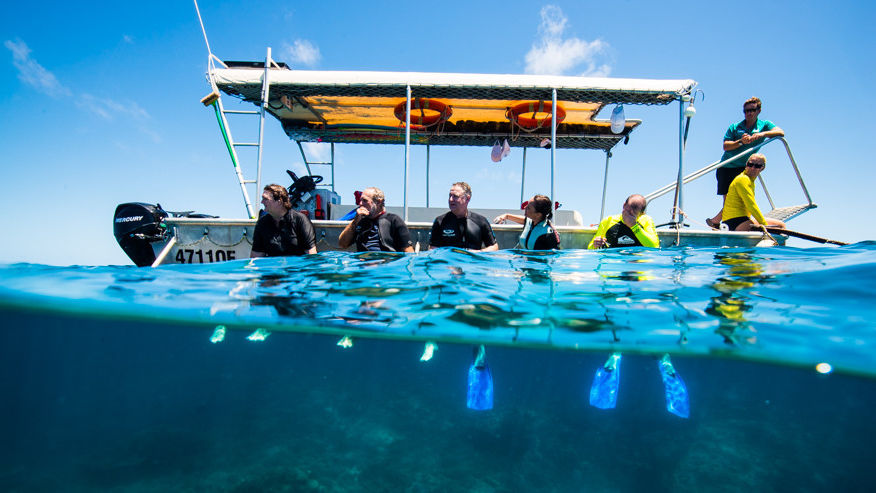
200 256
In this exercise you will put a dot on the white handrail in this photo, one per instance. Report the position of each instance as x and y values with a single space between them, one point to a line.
699 173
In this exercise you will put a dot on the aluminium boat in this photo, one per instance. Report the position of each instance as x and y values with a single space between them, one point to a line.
426 109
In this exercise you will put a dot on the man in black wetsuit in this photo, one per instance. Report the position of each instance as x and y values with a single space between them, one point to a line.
281 231
461 227
375 229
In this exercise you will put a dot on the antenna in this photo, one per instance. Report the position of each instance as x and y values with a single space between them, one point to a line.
203 30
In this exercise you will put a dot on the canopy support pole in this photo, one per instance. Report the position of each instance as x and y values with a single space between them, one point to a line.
604 185
679 221
407 145
264 106
427 175
523 176
553 146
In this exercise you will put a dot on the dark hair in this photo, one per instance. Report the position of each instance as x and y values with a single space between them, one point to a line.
754 101
279 193
542 205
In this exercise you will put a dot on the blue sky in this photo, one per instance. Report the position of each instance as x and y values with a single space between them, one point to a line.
100 104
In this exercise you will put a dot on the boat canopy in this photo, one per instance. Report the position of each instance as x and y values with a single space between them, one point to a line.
446 108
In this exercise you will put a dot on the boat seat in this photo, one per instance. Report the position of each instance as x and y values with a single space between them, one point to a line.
785 214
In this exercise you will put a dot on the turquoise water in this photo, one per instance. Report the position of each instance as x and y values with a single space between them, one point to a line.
110 381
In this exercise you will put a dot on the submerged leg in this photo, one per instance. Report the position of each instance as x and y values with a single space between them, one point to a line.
480 383
677 401
603 391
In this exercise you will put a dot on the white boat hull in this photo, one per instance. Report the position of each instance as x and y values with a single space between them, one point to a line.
200 241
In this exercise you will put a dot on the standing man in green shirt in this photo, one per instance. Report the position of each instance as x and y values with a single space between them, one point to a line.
739 138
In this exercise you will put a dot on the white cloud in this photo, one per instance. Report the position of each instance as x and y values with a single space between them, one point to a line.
551 54
32 73
303 52
108 109
128 39
317 152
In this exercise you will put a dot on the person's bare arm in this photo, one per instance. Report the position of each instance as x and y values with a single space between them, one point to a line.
509 217
349 233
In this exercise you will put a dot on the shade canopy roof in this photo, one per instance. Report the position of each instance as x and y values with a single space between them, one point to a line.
448 109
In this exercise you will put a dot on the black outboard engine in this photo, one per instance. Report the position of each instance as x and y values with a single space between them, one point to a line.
136 226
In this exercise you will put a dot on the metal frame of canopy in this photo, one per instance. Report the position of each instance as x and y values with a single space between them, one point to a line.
300 101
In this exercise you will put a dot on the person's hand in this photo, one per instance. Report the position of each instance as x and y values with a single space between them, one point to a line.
500 219
599 242
746 139
362 213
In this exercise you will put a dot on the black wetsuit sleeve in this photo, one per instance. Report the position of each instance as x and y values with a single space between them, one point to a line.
304 231
436 239
547 242
259 243
401 236
488 238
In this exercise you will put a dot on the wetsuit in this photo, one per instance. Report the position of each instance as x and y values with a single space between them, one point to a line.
541 236
293 236
473 232
740 203
725 174
387 233
618 234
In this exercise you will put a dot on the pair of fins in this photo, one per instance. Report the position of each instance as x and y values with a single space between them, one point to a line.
480 383
606 381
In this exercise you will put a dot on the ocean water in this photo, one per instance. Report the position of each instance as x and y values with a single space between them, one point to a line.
110 381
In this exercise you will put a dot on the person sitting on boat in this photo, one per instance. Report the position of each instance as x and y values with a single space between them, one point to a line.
375 229
461 227
281 231
741 212
538 231
740 137
632 227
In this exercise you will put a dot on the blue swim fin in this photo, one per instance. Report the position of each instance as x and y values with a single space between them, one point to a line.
603 392
480 383
677 401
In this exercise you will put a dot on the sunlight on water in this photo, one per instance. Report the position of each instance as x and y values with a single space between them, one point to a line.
785 305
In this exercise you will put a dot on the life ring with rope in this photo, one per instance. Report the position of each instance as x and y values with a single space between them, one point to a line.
516 114
442 111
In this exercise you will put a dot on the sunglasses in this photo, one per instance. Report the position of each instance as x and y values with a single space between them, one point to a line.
756 165
750 110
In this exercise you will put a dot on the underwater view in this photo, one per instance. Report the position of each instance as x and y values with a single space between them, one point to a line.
626 370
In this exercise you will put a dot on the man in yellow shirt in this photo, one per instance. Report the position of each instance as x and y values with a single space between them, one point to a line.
741 212
630 228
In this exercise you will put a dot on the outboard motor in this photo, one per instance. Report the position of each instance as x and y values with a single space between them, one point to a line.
136 226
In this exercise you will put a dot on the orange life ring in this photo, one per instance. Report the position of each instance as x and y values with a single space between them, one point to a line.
443 111
516 112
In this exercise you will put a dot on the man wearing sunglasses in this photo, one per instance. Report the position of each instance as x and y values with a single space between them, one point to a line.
741 212
740 137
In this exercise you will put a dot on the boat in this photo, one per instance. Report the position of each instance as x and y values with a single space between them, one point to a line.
427 109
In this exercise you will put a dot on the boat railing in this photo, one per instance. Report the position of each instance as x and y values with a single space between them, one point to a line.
783 213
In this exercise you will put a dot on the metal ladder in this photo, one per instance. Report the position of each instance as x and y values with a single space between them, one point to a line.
781 213
214 99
